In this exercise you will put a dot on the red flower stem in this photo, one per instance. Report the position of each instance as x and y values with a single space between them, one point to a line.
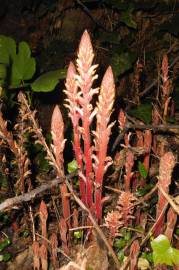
78 155
88 160
99 183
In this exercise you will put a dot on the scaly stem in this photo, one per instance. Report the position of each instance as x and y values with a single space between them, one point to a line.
88 160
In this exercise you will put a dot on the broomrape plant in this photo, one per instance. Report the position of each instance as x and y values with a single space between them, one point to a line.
92 159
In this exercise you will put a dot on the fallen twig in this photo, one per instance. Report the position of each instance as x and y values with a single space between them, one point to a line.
26 197
164 128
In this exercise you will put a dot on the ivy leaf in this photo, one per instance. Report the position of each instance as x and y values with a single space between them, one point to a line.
122 62
48 81
118 4
3 73
142 170
143 112
72 166
113 38
126 18
23 66
163 253
7 49
171 25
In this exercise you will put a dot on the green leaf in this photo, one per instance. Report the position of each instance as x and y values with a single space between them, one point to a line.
118 4
24 233
119 243
5 257
143 264
121 256
127 236
48 81
144 190
72 166
113 38
78 235
171 25
143 112
148 256
142 170
23 66
4 244
3 73
4 218
126 18
163 253
7 49
122 62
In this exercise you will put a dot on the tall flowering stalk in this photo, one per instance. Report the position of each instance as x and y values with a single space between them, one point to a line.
57 130
166 86
102 133
72 105
79 93
92 159
86 76
167 164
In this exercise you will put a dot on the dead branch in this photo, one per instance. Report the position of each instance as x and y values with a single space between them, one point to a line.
165 128
26 197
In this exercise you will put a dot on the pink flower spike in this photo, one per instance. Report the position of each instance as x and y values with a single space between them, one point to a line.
85 52
102 133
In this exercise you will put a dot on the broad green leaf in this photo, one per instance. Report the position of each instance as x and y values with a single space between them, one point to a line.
143 112
122 62
48 81
7 49
126 18
163 253
72 166
23 66
142 170
3 73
